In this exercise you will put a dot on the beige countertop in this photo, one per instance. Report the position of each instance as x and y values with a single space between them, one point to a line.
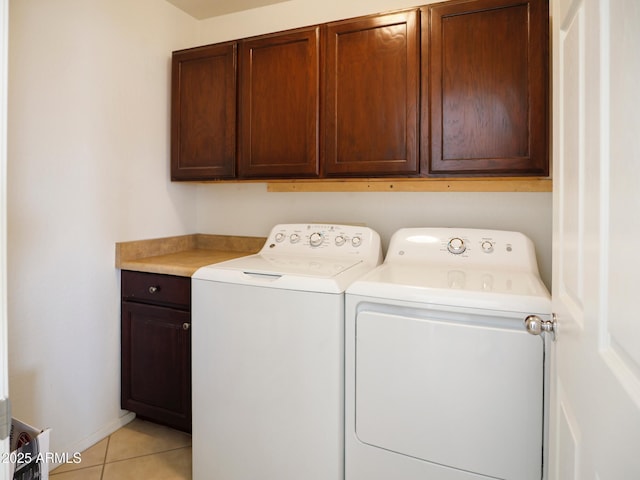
184 254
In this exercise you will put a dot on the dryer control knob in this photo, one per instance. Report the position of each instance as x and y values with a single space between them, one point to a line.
294 238
340 240
315 239
487 246
456 246
356 241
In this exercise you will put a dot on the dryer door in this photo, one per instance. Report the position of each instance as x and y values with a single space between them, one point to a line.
467 395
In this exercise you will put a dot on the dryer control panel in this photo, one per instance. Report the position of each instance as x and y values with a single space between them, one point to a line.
466 247
329 240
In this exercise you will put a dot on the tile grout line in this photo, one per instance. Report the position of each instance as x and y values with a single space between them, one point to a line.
146 455
104 459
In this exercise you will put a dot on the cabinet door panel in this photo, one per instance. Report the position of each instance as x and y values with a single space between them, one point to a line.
156 363
487 86
279 105
203 130
371 118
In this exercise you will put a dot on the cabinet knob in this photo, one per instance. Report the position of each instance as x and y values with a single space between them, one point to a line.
153 289
186 325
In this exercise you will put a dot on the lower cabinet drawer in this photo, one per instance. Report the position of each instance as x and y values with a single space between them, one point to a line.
156 288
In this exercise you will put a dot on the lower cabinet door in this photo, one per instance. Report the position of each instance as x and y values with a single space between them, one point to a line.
156 363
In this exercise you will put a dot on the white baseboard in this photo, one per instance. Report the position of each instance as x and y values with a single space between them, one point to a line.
97 436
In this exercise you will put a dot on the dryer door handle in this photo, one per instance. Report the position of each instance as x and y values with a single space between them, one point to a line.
536 326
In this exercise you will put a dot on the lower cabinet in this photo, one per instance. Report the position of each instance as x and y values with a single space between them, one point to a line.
156 347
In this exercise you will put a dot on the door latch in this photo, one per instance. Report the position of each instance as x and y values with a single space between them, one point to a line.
536 326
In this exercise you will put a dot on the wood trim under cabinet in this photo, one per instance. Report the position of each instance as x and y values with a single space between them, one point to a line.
494 184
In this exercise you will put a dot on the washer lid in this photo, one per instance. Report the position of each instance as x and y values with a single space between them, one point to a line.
305 266
498 290
307 257
289 272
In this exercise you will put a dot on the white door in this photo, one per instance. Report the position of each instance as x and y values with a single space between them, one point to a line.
4 384
595 414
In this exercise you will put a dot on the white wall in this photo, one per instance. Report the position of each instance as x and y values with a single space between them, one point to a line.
250 210
293 14
88 166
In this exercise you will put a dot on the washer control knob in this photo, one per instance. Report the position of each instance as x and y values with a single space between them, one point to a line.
487 246
456 246
340 240
356 241
315 239
280 237
294 238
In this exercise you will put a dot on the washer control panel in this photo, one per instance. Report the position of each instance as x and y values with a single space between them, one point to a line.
322 239
462 246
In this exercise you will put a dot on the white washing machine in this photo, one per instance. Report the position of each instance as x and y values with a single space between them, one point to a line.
443 380
268 355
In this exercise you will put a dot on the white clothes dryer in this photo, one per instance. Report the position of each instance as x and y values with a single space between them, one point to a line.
443 380
268 355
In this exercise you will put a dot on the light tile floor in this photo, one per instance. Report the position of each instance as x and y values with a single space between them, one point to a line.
139 450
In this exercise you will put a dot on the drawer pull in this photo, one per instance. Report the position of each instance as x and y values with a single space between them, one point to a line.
153 289
186 325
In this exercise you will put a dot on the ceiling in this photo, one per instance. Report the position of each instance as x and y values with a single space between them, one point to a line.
212 8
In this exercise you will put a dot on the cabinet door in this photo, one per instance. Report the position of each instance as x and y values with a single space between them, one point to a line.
486 94
371 108
203 116
156 363
279 105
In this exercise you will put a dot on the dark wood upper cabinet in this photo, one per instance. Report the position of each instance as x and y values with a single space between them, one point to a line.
203 117
371 96
458 88
279 105
485 97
